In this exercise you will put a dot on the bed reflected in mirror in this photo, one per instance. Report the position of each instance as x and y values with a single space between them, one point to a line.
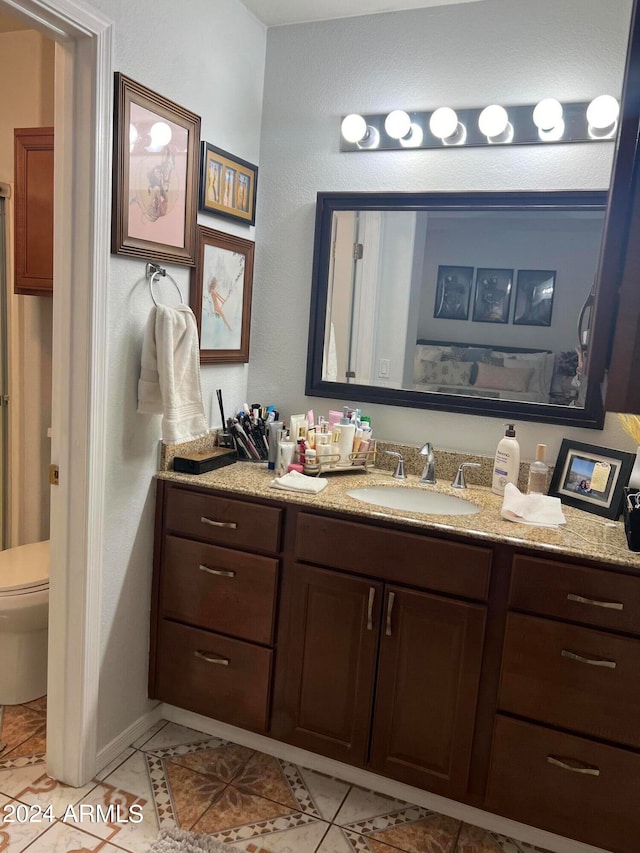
465 302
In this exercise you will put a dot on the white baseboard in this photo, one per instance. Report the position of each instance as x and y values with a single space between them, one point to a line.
112 750
366 779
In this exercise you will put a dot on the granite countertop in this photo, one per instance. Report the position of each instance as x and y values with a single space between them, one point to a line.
584 535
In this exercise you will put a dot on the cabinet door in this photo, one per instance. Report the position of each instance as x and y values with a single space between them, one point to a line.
328 663
429 670
33 167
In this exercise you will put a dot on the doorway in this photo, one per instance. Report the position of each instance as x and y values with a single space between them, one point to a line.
81 260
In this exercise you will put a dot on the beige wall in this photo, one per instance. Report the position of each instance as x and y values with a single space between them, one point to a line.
26 95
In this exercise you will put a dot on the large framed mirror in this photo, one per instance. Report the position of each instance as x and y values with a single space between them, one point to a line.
464 302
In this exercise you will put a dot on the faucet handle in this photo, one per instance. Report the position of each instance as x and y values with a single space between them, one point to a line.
398 474
429 473
459 481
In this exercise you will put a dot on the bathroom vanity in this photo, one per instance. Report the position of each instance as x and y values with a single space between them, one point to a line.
491 663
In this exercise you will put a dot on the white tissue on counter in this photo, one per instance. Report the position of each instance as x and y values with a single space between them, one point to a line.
539 510
294 481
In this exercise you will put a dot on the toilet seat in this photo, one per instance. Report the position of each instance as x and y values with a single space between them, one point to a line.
25 569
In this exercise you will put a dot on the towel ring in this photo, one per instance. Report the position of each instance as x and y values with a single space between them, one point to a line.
153 273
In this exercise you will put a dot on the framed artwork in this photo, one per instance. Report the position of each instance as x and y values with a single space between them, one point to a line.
155 182
453 291
221 296
227 185
591 478
493 295
534 297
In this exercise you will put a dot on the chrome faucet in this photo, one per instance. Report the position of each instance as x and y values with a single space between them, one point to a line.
429 473
459 481
398 474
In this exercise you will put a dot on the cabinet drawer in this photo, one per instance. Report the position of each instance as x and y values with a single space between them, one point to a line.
538 776
577 678
593 596
222 520
192 674
222 590
423 561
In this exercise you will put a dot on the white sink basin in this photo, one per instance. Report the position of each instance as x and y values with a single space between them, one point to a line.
413 500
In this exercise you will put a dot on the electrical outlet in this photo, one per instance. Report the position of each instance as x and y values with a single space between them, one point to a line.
384 368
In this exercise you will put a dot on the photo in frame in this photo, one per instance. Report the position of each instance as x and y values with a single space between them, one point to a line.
534 297
591 478
453 292
493 295
221 296
228 185
156 145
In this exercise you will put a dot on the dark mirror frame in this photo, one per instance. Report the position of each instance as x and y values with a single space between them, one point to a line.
591 416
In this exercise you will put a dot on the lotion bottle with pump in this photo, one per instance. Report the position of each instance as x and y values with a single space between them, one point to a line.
345 438
506 465
538 472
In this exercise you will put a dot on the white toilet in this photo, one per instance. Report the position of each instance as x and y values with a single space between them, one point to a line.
24 619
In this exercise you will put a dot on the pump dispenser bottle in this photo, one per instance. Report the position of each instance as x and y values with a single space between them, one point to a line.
506 465
538 472
344 433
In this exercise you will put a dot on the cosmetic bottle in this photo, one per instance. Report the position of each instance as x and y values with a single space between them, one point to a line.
506 465
286 449
298 427
538 472
273 428
311 466
344 441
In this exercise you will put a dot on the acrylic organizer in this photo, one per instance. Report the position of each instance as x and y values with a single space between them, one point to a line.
632 517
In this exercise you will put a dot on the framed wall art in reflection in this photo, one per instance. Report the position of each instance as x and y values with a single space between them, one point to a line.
155 183
493 295
591 478
221 295
227 185
453 291
534 297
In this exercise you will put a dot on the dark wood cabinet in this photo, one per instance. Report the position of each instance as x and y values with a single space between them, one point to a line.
33 179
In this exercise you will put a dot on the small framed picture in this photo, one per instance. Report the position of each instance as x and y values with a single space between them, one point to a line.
453 291
221 296
227 185
493 295
534 297
155 175
591 478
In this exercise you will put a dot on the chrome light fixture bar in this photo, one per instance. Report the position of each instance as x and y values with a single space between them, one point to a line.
548 121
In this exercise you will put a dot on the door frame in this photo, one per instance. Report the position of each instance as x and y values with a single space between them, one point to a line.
82 216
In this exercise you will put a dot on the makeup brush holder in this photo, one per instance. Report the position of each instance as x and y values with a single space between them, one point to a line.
632 517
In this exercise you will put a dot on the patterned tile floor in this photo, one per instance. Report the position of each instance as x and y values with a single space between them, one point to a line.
173 776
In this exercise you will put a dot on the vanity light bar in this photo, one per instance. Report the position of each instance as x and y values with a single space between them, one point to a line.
529 124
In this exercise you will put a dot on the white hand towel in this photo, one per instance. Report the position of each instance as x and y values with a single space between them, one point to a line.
538 510
170 374
294 481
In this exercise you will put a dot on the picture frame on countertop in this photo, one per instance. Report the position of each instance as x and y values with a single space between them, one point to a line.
493 295
156 145
221 285
591 478
228 185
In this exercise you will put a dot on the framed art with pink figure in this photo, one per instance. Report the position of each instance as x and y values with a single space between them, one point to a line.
155 182
221 295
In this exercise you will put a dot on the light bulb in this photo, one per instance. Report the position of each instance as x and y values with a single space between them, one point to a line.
554 134
414 138
547 114
443 122
397 124
603 112
493 120
371 139
353 127
160 134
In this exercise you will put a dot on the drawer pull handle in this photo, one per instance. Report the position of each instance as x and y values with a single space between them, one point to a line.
231 524
609 664
585 769
609 605
218 572
209 658
392 598
372 595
